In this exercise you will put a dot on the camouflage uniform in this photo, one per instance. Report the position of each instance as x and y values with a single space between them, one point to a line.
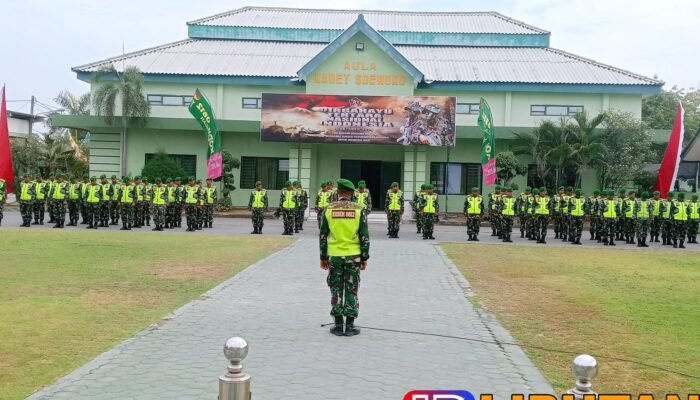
107 191
506 208
543 211
608 211
522 205
474 210
41 190
666 220
429 206
171 192
26 198
592 212
679 218
302 205
83 205
365 199
576 211
179 201
258 204
114 202
127 195
416 201
199 221
693 219
656 220
191 201
558 202
138 199
394 208
288 208
59 196
493 215
93 199
3 197
210 197
565 221
159 199
642 212
74 198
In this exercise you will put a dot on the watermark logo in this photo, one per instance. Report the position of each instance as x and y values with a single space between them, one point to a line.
438 395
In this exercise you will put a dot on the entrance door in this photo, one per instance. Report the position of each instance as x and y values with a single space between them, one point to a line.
378 175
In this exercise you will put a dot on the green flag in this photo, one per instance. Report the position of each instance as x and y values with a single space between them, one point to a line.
203 113
488 146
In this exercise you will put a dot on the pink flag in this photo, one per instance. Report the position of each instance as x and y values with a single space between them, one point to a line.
489 172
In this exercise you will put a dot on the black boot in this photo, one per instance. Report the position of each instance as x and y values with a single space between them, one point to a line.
255 231
124 227
675 243
337 328
350 329
681 245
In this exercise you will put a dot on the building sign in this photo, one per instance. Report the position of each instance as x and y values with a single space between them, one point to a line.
359 73
403 120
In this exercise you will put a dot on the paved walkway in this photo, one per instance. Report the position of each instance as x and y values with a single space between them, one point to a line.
278 305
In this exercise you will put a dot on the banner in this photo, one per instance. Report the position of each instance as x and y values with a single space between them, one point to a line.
397 120
672 157
202 112
6 171
488 146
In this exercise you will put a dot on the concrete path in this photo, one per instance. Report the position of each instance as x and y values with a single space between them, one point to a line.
278 305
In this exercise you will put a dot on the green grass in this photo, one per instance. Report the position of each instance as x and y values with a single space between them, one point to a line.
67 296
641 305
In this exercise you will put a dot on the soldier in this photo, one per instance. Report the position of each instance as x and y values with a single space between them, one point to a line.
41 188
323 199
558 202
199 219
84 185
564 233
416 202
147 199
334 193
430 212
474 209
531 226
344 244
522 206
656 220
609 211
627 210
594 217
27 194
667 221
302 205
693 219
3 197
643 210
363 197
73 201
103 213
159 198
288 207
506 209
94 196
679 215
494 197
170 204
621 223
114 202
543 211
127 194
211 195
191 201
179 201
393 207
258 205
138 199
49 202
576 211
59 193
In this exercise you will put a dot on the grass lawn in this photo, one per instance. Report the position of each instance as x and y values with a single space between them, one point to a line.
640 305
67 296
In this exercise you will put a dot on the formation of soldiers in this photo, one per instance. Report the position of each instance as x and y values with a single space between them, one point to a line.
104 202
614 216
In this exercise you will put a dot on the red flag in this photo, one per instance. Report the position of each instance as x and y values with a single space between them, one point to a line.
672 156
6 171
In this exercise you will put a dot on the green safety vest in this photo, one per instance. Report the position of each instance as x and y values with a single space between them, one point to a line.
429 207
190 192
58 191
73 192
323 197
508 206
667 210
681 211
643 212
542 206
610 209
159 195
630 212
24 191
92 192
694 210
127 194
579 203
289 202
657 207
258 198
344 224
39 190
395 201
474 204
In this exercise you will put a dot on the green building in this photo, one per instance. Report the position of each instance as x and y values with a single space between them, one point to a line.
235 56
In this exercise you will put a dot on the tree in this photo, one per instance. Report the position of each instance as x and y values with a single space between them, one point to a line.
628 143
227 179
659 111
128 88
508 166
588 142
532 144
162 166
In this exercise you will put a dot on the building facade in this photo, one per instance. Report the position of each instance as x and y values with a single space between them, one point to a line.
235 56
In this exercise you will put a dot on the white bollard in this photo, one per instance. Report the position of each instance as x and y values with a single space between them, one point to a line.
235 384
585 368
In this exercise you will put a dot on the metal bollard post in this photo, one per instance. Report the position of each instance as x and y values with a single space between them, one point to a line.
585 368
235 384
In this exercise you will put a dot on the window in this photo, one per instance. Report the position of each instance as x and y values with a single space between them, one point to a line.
455 178
169 100
567 178
252 102
272 172
188 162
467 108
554 110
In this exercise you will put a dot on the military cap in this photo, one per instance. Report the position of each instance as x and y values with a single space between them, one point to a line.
596 191
158 180
694 197
210 179
429 186
137 177
295 182
561 187
542 189
257 183
125 179
498 187
191 178
578 192
25 175
93 178
169 180
345 184
288 183
86 176
681 195
645 195
361 184
58 174
528 189
114 177
323 185
622 191
535 191
669 194
198 181
570 188
178 179
475 189
71 177
394 184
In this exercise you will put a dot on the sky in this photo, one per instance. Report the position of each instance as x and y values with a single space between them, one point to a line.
40 40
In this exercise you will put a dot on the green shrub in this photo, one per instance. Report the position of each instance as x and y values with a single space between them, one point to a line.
162 166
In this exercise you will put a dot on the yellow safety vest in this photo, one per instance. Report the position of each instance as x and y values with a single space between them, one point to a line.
147 192
39 190
578 203
289 202
2 191
681 211
508 206
127 194
474 204
630 212
524 201
92 193
58 191
258 198
657 207
190 191
83 188
73 192
429 207
210 194
139 192
395 201
494 199
694 210
115 191
171 194
24 189
344 224
105 191
323 197
362 197
565 209
531 203
643 212
610 210
667 209
542 206
159 195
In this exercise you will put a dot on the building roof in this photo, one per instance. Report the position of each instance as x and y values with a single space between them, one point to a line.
442 64
382 21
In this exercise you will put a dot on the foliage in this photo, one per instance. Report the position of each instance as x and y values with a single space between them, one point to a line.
45 154
224 204
628 143
508 166
127 87
645 181
162 166
659 111
227 179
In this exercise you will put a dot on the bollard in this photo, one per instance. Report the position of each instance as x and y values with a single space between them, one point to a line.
235 384
585 368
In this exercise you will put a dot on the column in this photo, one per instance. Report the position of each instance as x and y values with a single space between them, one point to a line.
300 166
414 175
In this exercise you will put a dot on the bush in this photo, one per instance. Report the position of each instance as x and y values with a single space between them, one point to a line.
162 166
223 204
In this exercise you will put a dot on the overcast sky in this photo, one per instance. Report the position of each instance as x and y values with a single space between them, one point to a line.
42 39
